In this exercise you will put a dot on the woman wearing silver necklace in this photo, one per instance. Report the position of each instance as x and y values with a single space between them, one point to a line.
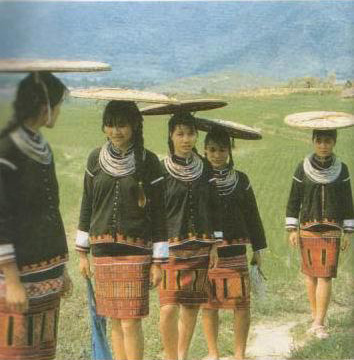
241 225
122 223
321 206
33 248
191 216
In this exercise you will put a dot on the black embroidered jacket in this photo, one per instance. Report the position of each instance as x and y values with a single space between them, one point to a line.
31 227
314 204
110 214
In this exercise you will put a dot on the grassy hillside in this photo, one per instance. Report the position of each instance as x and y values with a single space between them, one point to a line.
269 164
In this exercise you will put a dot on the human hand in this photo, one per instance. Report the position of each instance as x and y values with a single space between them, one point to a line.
155 275
84 265
213 256
294 238
256 259
16 297
345 243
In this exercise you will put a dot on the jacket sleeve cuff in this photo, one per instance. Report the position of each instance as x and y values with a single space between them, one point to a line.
218 236
7 253
160 252
82 242
291 223
348 225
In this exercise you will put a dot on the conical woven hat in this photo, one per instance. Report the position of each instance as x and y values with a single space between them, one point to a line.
189 106
234 130
52 65
321 120
121 94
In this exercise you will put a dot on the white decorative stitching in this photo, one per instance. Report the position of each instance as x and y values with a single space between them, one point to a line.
9 164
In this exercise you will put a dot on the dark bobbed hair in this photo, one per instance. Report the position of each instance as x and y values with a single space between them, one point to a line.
180 118
222 138
328 133
122 113
34 92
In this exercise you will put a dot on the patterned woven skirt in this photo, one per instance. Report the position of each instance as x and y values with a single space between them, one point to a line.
320 252
31 335
184 281
122 286
229 284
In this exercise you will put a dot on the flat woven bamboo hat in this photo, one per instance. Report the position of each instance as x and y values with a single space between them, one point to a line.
52 65
121 94
189 106
320 120
234 130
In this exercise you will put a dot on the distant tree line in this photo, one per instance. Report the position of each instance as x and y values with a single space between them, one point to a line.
309 82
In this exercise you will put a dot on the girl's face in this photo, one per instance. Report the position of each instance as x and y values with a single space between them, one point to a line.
120 136
51 120
323 145
184 139
217 155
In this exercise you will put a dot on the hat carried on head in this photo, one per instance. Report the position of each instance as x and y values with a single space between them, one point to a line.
320 120
184 106
233 129
122 95
52 65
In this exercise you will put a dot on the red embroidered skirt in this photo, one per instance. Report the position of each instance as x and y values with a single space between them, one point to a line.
229 284
184 281
31 335
122 286
320 252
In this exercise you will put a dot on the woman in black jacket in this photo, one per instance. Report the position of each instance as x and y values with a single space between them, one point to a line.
33 248
320 205
192 219
122 223
241 225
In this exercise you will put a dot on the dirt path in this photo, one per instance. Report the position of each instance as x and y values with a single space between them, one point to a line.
270 341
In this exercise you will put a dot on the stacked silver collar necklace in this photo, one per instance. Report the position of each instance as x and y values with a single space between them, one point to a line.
32 144
184 169
114 162
325 175
226 180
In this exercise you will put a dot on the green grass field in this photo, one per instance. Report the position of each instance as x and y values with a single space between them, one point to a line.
269 164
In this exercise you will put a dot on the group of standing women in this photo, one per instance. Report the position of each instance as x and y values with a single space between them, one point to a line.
181 224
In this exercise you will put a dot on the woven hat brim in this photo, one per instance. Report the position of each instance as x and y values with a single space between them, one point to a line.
189 106
121 94
52 65
320 120
234 130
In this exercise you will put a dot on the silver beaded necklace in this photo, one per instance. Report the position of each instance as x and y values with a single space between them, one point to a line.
115 163
323 176
36 149
190 171
226 181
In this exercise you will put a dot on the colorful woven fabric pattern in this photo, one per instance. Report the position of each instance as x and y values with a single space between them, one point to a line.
229 284
32 335
184 281
320 252
122 286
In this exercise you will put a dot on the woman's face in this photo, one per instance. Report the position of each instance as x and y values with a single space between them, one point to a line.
184 139
120 136
217 155
54 113
323 145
